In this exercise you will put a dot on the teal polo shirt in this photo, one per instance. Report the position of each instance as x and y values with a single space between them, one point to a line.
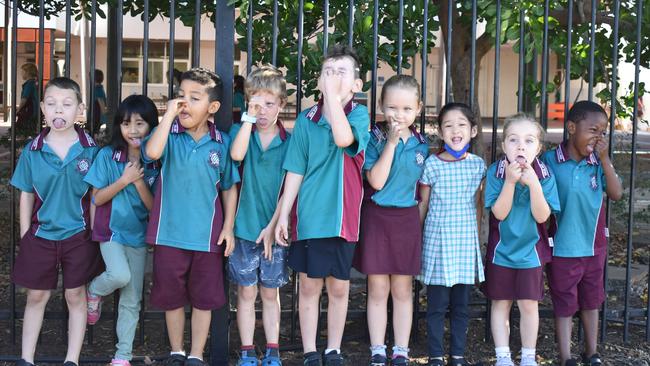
261 182
329 200
62 197
580 229
519 241
400 189
187 212
124 218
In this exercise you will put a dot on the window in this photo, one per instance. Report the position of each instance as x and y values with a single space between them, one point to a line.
130 71
158 62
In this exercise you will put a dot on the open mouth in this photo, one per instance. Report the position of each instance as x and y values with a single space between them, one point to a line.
590 148
521 160
135 141
456 140
58 123
183 115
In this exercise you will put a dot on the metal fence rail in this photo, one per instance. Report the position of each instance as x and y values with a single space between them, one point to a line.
224 54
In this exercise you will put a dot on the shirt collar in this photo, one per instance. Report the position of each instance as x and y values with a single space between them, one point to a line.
541 170
562 155
215 134
316 112
84 138
120 155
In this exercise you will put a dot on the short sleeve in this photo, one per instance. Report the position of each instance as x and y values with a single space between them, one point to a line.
234 130
373 151
229 173
143 148
295 160
493 186
359 123
427 177
22 178
550 193
98 175
28 89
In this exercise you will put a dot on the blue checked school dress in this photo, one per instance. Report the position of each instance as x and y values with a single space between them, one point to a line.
451 253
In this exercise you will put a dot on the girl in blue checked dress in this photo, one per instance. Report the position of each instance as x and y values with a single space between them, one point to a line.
451 257
389 249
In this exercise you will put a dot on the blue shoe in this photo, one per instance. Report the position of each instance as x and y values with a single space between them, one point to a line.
269 360
247 361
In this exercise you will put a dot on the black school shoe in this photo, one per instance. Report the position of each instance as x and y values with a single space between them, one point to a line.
461 362
571 362
312 359
175 360
22 362
400 361
69 363
194 362
436 362
378 360
333 359
593 360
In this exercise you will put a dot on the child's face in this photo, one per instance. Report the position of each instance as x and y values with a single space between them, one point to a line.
521 142
584 135
134 130
401 106
270 106
345 69
197 106
456 130
60 108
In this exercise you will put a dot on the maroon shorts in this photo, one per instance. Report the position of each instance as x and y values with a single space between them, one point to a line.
503 283
390 240
182 277
38 261
576 284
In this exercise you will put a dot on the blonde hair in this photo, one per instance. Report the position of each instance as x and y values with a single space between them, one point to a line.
266 78
523 117
30 69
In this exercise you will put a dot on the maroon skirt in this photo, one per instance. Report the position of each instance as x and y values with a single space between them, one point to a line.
390 240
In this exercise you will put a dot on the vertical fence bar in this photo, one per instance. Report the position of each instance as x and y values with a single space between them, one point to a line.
350 22
400 35
567 66
249 38
326 28
90 115
196 35
145 64
472 68
592 49
612 120
448 50
543 104
375 46
12 163
68 21
425 59
274 49
6 54
118 49
41 61
522 65
630 210
172 34
495 95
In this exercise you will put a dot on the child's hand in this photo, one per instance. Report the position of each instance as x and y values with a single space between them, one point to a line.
266 237
394 133
329 84
174 106
228 236
132 172
513 172
528 176
602 148
254 106
282 231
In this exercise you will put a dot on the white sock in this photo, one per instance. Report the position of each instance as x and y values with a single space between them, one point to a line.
378 350
182 353
337 350
400 351
528 353
503 352
200 359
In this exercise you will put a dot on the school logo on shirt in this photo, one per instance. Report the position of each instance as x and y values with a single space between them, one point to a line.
214 158
83 165
419 158
594 182
151 181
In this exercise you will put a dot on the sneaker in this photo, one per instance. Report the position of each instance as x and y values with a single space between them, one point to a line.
312 359
118 362
69 363
400 361
175 360
194 362
333 359
571 362
378 360
504 361
435 362
269 360
22 362
94 308
594 360
247 360
458 362
528 361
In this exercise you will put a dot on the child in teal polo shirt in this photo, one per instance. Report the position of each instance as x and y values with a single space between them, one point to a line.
323 165
260 144
583 171
193 213
55 218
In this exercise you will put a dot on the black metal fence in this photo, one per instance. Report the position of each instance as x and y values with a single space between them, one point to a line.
223 17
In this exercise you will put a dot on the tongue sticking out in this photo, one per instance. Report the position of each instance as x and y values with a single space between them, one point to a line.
521 160
590 149
58 123
136 142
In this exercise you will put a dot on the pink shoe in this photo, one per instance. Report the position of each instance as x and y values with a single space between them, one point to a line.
118 362
94 308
